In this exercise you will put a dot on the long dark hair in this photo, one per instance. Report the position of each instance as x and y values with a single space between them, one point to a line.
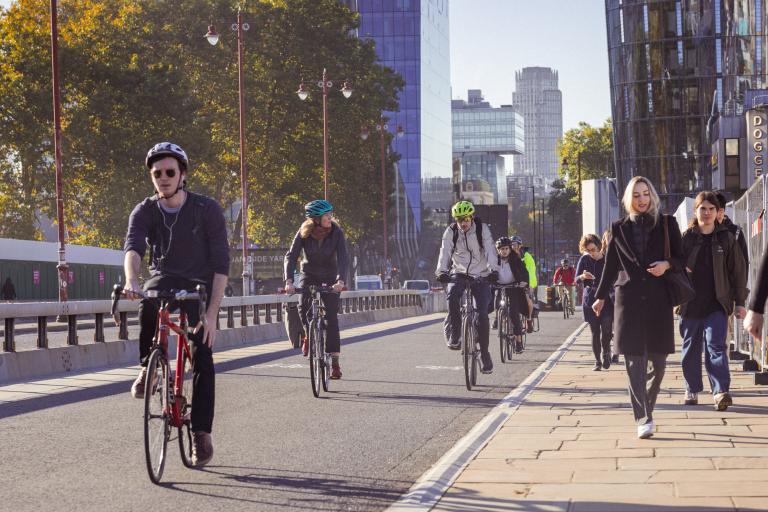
708 196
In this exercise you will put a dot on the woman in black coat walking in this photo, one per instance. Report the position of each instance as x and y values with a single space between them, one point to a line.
643 321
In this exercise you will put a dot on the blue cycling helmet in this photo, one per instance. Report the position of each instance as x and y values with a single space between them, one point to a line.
317 208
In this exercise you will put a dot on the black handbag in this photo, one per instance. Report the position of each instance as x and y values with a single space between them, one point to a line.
678 284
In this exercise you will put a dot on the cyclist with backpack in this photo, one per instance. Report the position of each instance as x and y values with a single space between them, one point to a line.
187 237
564 279
467 249
325 263
512 271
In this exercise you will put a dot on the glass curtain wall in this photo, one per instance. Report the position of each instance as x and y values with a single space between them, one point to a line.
673 63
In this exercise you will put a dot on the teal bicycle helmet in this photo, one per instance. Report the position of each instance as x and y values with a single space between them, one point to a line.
317 208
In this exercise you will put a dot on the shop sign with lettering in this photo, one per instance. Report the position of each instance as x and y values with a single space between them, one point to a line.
757 140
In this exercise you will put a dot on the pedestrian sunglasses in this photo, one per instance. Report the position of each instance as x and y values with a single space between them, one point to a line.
158 173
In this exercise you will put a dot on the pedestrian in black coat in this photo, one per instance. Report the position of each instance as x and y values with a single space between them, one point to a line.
643 317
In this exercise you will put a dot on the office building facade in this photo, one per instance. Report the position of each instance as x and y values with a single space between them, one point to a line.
481 136
540 102
411 37
675 65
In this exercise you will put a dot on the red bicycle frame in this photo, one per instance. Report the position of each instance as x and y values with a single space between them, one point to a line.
164 324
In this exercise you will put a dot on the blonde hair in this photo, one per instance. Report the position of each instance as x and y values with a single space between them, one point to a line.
606 240
307 227
626 200
589 239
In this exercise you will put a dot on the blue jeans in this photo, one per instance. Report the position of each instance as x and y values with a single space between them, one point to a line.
481 291
697 332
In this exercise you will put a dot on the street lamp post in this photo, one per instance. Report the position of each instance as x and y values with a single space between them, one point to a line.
382 127
533 208
578 170
62 264
213 37
325 85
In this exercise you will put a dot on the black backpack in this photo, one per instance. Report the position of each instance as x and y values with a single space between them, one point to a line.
478 232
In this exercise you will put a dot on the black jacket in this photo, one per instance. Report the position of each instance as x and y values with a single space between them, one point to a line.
324 262
729 266
739 234
643 317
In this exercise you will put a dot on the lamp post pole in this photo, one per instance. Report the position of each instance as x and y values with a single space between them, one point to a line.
62 264
213 37
533 208
325 85
382 127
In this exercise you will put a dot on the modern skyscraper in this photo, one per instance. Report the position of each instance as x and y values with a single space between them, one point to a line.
673 65
539 100
411 37
481 136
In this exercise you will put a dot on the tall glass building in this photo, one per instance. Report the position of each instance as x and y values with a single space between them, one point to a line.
411 37
481 135
538 98
674 64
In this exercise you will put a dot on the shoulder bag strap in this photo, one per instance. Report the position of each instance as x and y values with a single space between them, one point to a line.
666 238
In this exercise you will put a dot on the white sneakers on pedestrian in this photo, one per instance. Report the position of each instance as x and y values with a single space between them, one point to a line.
646 431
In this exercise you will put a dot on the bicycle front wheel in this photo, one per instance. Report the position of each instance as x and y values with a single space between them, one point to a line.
468 353
156 409
185 430
315 362
503 334
326 360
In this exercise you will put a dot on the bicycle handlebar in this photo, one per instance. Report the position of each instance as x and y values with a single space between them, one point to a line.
519 285
181 295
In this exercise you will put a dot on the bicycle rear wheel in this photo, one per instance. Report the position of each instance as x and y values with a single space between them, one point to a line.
156 408
185 430
315 368
524 324
467 352
503 333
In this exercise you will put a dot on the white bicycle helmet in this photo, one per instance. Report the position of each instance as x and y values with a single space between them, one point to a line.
162 149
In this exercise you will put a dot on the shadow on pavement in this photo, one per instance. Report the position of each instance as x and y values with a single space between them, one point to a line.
10 409
327 492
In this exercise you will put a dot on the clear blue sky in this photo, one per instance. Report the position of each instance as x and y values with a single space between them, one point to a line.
491 39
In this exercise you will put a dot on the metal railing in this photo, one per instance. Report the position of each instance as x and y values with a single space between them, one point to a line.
260 308
749 215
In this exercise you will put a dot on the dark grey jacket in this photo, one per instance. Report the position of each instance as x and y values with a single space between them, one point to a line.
324 262
728 263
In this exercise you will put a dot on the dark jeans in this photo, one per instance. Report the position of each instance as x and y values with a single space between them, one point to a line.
602 332
331 301
710 332
481 291
203 375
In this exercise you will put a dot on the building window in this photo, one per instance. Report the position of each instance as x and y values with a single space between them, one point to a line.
731 147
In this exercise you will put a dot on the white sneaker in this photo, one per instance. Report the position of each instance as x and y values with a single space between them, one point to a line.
646 431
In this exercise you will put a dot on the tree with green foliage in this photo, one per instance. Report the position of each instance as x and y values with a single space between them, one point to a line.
592 148
132 75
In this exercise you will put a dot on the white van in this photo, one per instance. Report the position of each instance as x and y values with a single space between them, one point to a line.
421 285
368 282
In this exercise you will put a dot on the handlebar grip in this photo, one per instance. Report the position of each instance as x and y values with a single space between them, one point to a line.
117 292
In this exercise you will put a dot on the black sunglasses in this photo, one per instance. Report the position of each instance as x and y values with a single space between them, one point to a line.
157 173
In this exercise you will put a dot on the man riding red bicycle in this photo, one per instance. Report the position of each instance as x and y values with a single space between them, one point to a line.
187 237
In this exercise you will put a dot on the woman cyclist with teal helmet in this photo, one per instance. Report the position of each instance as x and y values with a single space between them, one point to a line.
325 263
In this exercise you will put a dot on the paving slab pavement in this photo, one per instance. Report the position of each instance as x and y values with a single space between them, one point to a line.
571 446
